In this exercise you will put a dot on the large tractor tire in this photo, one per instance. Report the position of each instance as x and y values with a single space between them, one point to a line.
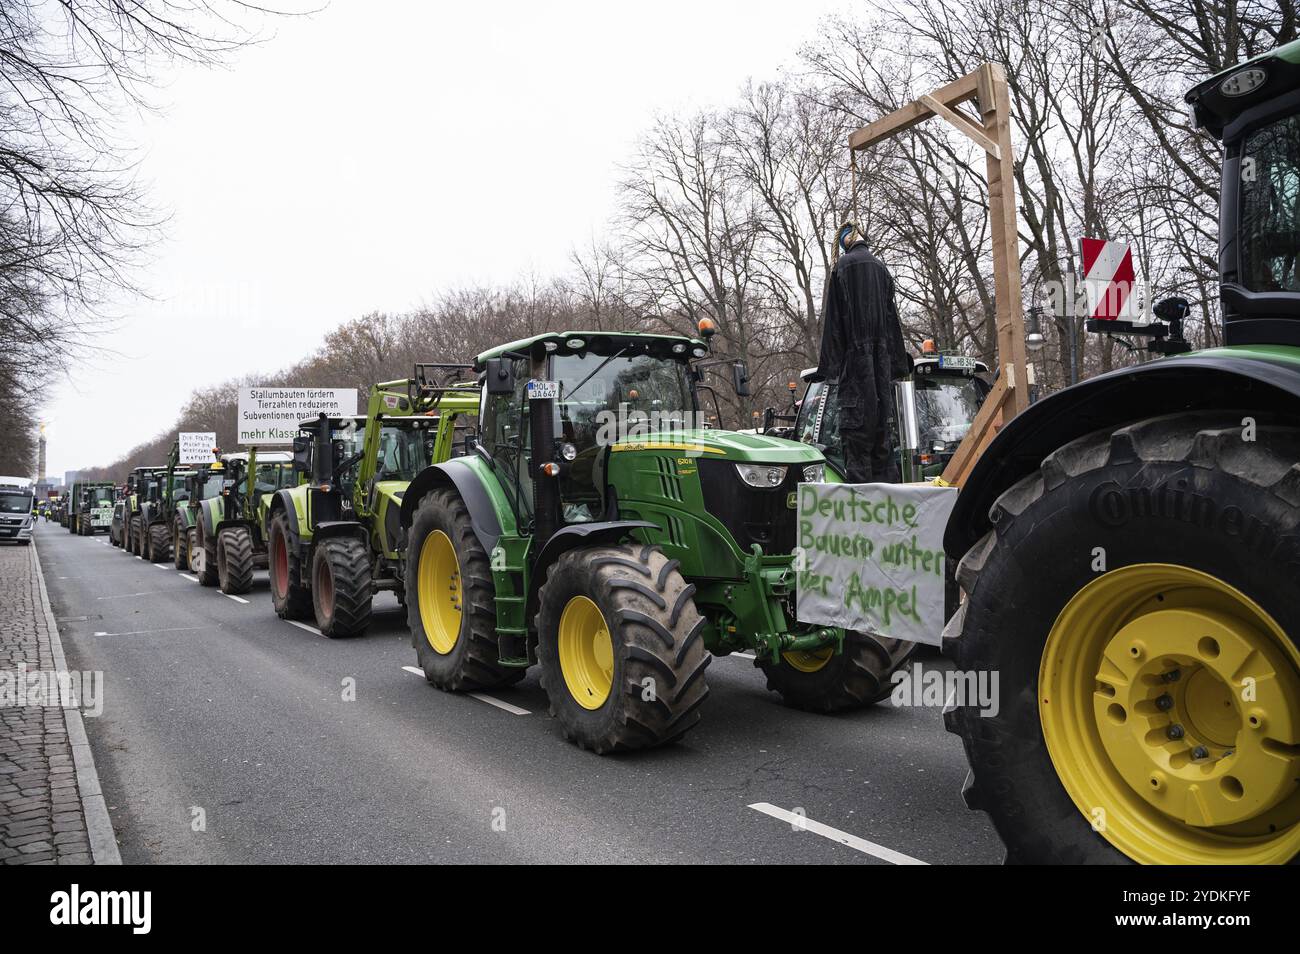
135 538
160 543
341 588
72 525
291 600
621 648
1134 599
824 681
235 560
193 551
451 600
180 546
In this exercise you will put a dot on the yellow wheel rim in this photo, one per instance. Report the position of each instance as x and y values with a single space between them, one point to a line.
438 588
1170 705
810 661
586 653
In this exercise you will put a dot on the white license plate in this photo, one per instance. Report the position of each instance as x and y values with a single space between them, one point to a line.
541 390
958 362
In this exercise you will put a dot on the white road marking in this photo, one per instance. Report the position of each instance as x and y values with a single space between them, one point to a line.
142 632
126 596
310 629
834 834
192 579
163 566
745 655
480 696
237 599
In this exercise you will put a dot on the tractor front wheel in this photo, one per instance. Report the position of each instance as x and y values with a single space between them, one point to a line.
1133 611
824 681
235 560
291 600
451 600
341 589
207 561
621 648
159 544
135 545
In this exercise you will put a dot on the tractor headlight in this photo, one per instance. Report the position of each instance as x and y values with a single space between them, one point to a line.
814 473
568 451
764 476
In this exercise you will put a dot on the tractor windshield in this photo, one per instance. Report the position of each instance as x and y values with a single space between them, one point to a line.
101 495
604 400
402 453
945 407
1269 222
271 477
213 484
818 422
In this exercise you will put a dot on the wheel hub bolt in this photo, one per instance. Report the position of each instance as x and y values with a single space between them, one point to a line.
1200 752
1165 702
1175 731
1171 676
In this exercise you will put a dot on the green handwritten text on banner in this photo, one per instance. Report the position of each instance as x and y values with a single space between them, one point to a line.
871 557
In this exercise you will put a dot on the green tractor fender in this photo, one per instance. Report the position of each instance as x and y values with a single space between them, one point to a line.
570 537
1254 380
487 513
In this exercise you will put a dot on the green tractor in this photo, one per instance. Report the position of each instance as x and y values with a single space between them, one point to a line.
91 507
337 538
141 483
1132 552
598 529
226 539
166 495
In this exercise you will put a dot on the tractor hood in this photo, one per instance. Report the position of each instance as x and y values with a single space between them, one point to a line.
724 445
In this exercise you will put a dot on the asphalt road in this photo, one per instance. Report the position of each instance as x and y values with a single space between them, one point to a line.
226 737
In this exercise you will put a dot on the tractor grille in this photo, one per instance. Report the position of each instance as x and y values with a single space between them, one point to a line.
751 514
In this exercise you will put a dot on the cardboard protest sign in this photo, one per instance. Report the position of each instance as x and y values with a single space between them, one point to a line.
272 415
871 557
196 446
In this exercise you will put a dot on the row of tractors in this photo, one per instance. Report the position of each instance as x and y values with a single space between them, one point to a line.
1129 547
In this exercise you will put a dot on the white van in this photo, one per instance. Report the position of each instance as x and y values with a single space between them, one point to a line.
17 496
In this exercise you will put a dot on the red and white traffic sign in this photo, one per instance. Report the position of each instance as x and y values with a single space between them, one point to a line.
1108 276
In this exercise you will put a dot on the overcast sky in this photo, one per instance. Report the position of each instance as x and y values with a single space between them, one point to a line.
377 152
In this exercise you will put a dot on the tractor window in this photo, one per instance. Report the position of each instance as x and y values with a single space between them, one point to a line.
401 453
212 484
507 437
819 422
1269 221
603 401
945 408
271 477
102 495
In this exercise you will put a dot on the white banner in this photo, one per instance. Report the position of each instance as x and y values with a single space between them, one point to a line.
871 557
196 446
272 415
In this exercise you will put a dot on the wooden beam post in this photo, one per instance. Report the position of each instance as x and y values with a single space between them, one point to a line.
987 85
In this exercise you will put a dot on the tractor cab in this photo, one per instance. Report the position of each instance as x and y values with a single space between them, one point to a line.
933 409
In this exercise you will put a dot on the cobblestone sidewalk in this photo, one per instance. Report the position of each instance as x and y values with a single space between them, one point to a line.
48 783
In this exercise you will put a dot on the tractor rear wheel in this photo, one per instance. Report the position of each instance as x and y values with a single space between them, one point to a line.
180 546
621 648
823 681
159 543
1135 601
72 524
235 560
134 537
193 552
291 600
451 600
341 589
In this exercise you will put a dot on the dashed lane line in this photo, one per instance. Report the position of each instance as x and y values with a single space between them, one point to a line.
801 823
192 579
237 599
480 696
310 629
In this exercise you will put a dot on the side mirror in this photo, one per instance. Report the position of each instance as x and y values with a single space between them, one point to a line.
500 376
302 453
740 378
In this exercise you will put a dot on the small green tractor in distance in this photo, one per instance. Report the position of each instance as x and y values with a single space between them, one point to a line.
91 507
227 531
139 485
599 528
166 494
1132 554
336 538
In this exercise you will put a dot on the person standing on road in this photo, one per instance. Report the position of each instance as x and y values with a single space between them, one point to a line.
862 353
